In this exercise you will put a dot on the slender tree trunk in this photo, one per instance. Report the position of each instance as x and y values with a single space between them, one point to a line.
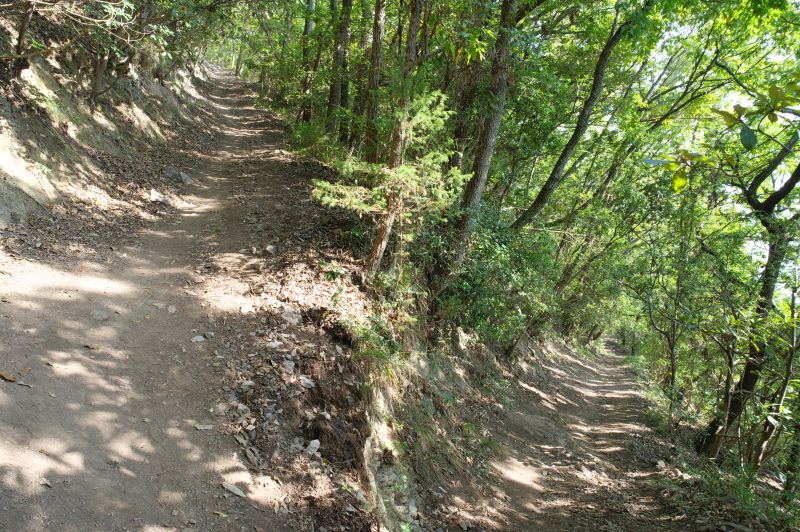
360 103
344 104
373 81
793 464
769 427
401 127
473 193
716 430
305 82
395 201
287 30
582 124
22 63
340 44
239 55
101 59
467 92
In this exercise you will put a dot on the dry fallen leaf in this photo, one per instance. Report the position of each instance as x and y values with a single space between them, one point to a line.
7 377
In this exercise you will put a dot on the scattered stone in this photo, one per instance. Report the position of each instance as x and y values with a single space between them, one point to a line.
287 366
313 447
199 339
209 335
204 427
100 315
272 249
233 489
251 456
172 173
660 464
247 308
157 197
246 385
292 317
307 383
171 309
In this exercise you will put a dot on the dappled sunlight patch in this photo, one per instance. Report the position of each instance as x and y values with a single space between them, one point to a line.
518 472
25 466
130 445
171 497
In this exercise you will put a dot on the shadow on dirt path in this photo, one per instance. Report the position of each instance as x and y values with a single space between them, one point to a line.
109 425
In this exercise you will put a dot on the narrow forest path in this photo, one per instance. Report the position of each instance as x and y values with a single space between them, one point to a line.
107 435
575 451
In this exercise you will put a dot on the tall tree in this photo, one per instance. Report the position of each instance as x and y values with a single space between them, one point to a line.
306 79
340 43
484 151
373 83
581 125
394 199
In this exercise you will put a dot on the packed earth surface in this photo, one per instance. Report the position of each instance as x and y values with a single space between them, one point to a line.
184 373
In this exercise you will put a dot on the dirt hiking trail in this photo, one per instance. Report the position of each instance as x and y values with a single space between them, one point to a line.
574 451
107 436
116 421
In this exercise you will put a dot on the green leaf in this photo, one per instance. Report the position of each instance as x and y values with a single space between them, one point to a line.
772 117
679 180
776 93
730 118
748 137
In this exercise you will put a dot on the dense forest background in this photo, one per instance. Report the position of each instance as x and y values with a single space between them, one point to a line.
522 168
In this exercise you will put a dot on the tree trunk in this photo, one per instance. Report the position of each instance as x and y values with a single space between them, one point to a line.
238 65
340 43
21 63
468 90
395 201
101 59
381 240
305 81
373 81
769 427
581 125
793 466
716 430
473 193
400 131
360 103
